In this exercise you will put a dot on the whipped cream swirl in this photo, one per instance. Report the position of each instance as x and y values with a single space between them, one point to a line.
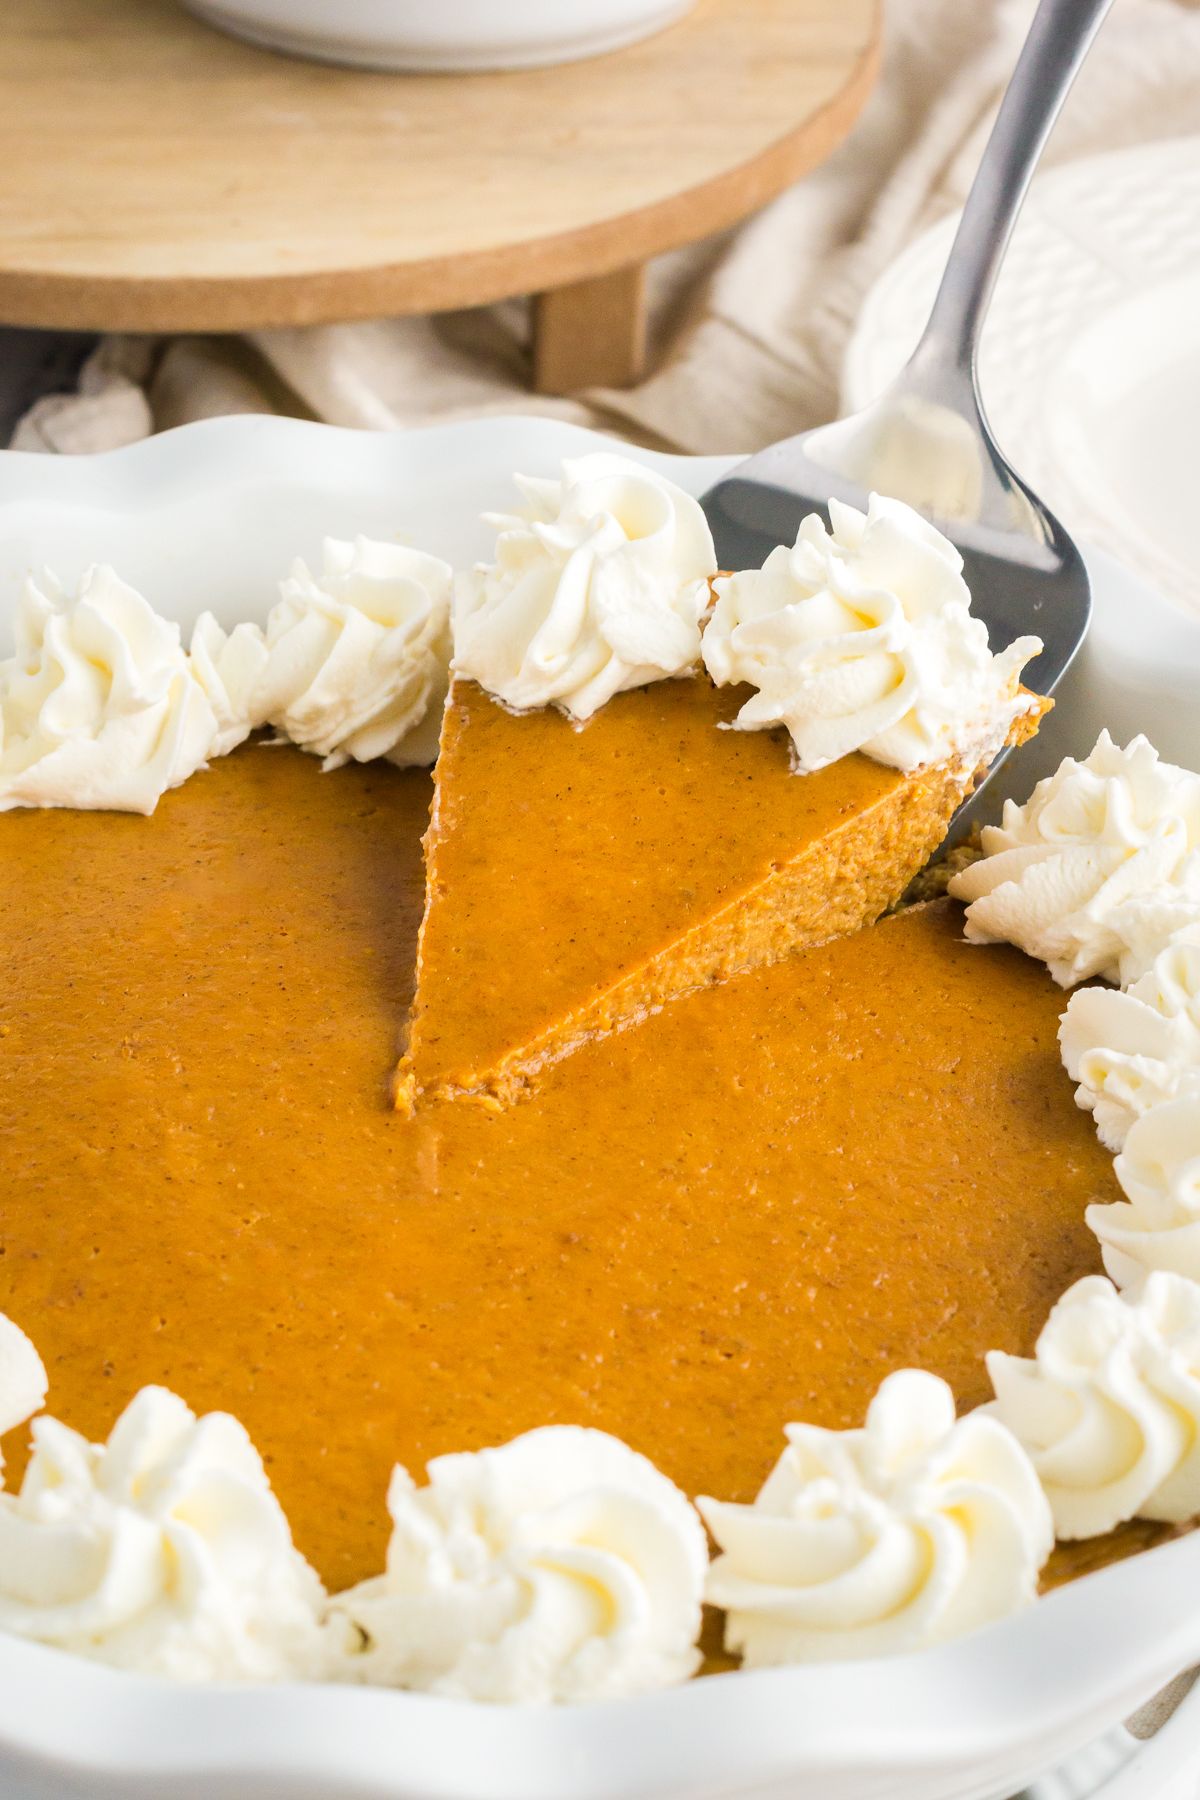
163 1550
1098 871
600 582
353 662
357 657
1131 1051
559 1567
1157 1225
862 638
99 707
228 666
917 1528
1109 1405
22 1378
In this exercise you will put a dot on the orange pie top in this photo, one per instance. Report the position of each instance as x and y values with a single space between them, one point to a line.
859 1158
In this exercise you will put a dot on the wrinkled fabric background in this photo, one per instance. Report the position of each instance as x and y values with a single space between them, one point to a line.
747 330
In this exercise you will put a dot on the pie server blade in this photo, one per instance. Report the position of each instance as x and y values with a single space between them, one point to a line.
927 440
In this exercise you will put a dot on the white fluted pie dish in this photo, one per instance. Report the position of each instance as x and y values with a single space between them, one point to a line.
969 1721
207 517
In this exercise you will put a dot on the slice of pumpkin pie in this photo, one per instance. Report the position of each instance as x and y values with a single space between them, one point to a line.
637 796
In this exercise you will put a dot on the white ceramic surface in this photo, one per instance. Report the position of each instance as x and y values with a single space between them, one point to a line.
210 516
453 34
1090 360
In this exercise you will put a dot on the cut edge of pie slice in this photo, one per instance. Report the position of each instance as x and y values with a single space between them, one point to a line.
580 878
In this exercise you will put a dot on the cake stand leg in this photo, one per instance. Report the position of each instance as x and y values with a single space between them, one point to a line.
591 334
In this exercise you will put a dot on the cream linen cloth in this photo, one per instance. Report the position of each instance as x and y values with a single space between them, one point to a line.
748 331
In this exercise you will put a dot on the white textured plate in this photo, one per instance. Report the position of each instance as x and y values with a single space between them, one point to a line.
211 516
1090 360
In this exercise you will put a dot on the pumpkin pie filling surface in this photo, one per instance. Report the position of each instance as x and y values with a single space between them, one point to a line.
845 1162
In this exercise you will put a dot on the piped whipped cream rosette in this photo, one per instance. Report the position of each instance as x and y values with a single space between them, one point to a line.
1108 1407
22 1379
914 1529
599 583
1098 871
352 663
228 666
861 637
99 705
162 1550
561 1566
1157 1225
1131 1051
357 657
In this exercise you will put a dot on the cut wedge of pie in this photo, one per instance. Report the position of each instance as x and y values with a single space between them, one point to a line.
580 877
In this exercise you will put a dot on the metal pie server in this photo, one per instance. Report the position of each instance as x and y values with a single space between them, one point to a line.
927 440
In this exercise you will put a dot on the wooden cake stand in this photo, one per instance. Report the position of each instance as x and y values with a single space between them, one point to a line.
156 176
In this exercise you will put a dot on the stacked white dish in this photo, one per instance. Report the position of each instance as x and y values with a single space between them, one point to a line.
459 34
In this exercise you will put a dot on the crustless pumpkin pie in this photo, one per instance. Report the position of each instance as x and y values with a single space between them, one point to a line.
772 1146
